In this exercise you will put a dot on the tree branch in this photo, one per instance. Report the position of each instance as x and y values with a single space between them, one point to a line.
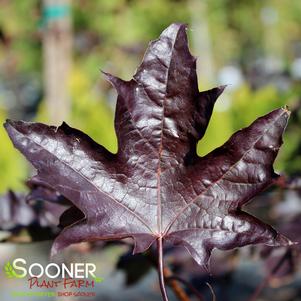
183 297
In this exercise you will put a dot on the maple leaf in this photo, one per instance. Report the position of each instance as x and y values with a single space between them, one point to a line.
155 187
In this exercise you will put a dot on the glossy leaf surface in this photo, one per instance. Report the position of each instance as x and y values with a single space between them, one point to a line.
156 186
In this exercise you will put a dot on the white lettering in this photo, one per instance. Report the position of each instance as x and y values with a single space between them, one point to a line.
65 270
33 266
90 269
58 271
79 270
18 268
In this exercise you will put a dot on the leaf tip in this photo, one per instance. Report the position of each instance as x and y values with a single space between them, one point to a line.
217 91
115 81
286 110
7 123
222 88
176 26
213 94
177 32
282 241
10 127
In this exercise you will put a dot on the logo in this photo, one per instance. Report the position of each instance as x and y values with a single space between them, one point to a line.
53 275
19 269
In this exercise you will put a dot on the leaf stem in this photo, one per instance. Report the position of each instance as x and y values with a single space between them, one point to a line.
160 269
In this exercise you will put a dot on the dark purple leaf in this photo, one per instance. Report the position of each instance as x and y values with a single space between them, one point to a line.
156 187
39 219
40 191
14 211
60 210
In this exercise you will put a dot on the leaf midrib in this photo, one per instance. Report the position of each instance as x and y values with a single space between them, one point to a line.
159 202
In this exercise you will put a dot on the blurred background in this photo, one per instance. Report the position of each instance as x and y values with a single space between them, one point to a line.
51 54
